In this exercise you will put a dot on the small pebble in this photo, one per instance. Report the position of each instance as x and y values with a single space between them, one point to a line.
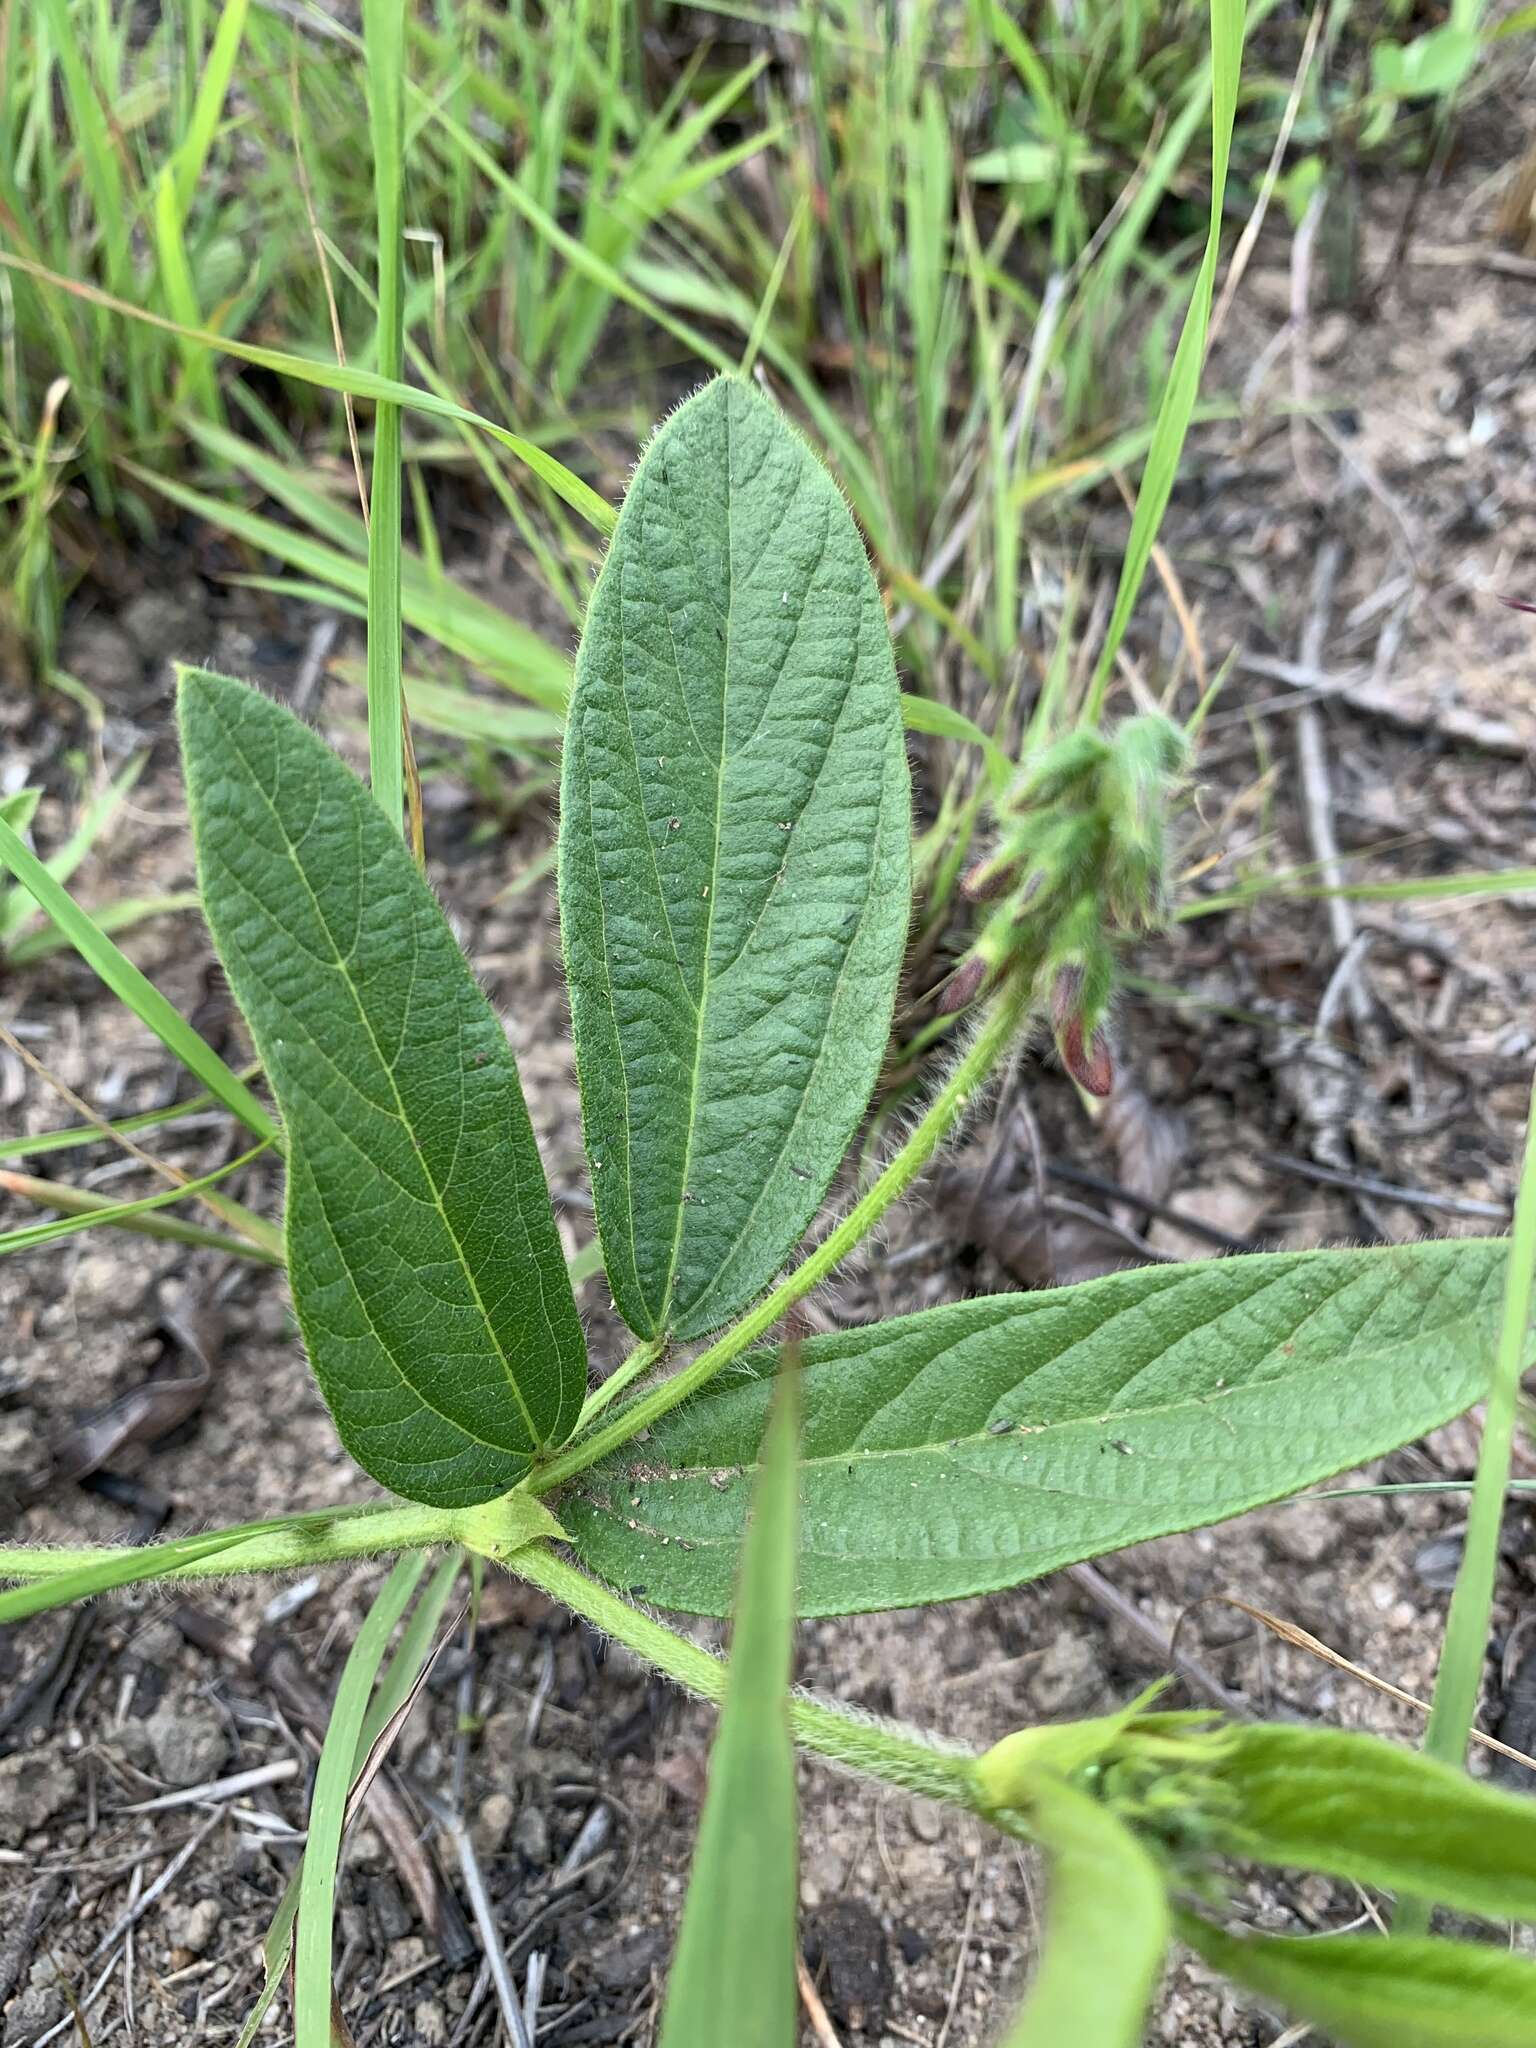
194 1928
430 2023
530 1837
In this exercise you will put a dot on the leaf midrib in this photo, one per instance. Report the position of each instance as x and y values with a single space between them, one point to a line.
1013 1435
706 981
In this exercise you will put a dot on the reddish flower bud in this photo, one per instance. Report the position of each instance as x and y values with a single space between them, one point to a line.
988 880
964 985
1090 1067
1066 994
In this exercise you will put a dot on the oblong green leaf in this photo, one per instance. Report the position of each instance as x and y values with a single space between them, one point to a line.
973 1447
1322 1799
1369 1993
734 860
426 1269
733 1974
1106 1930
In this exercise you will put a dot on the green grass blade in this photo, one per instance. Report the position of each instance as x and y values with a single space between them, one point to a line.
17 904
615 282
384 41
192 153
89 126
459 619
328 1806
943 721
771 289
512 729
401 1675
134 988
120 916
733 1974
72 1136
19 810
1459 1678
181 294
265 1243
1183 386
338 377
1423 889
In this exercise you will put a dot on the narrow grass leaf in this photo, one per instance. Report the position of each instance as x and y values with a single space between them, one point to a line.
191 155
338 377
1364 1992
409 1663
133 988
93 1209
384 43
181 293
509 652
123 914
328 1806
1183 386
976 1446
734 859
1106 1929
1464 1652
426 1268
126 1215
72 1136
17 904
943 721
733 1973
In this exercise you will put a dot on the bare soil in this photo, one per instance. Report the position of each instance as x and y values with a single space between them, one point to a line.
1243 1049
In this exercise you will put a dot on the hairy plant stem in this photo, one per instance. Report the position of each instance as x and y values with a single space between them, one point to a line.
289 1544
623 1376
874 1748
989 1046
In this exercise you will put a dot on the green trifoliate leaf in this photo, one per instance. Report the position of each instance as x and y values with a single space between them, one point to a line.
734 859
976 1446
1369 1993
426 1269
1106 1930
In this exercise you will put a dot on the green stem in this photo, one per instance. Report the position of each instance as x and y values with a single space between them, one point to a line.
1466 1629
623 1376
298 1542
948 1106
872 1747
